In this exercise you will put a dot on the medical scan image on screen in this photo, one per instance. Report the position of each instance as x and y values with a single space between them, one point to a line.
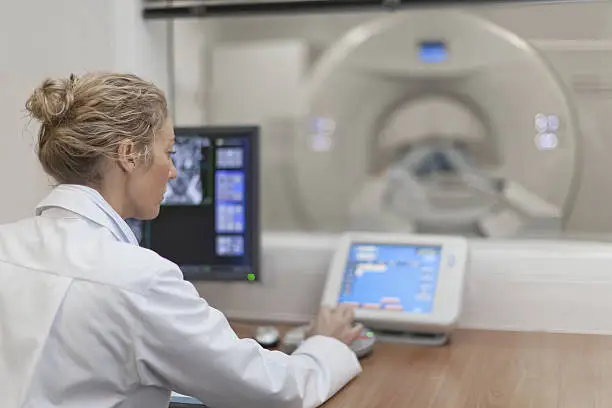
391 277
186 188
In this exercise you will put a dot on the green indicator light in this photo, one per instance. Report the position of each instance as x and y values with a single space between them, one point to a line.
251 276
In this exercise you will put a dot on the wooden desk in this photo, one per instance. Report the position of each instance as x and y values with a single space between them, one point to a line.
481 369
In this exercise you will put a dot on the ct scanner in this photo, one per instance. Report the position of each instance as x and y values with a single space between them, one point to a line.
436 121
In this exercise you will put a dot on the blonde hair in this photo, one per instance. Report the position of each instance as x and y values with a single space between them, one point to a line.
85 119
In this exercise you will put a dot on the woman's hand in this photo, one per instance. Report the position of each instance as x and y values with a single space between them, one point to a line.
336 323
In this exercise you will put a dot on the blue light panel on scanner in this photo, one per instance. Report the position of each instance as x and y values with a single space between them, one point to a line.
433 52
391 277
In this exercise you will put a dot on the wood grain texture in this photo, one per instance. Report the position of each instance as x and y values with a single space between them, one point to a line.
483 369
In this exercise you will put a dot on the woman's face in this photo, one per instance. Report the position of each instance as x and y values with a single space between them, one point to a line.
147 185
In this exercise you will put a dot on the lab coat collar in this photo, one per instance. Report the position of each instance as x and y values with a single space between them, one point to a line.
89 204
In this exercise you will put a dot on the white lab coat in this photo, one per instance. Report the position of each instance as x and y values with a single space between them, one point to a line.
90 319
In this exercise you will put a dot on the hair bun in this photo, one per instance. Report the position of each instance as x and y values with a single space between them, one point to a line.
51 102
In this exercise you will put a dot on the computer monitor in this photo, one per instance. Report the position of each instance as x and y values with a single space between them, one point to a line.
399 282
209 219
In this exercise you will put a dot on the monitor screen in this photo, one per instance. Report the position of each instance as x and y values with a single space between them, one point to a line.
391 277
209 219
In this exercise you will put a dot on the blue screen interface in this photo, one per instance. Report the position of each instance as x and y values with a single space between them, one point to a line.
431 52
391 277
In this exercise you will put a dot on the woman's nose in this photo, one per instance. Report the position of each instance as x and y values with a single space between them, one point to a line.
173 173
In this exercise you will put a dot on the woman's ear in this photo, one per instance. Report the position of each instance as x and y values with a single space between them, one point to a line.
127 156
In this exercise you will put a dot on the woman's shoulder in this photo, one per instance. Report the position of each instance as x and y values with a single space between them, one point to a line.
131 267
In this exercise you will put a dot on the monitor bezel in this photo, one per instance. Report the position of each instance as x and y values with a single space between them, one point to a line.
449 288
219 273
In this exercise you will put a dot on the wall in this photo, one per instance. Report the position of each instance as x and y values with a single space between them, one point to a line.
139 46
39 39
55 38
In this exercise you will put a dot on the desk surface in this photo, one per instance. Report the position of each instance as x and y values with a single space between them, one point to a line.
481 369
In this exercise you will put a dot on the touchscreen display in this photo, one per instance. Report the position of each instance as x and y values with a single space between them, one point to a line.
391 277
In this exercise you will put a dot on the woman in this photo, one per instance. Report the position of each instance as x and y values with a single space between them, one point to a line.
90 319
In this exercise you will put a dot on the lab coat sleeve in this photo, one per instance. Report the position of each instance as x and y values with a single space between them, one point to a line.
185 345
